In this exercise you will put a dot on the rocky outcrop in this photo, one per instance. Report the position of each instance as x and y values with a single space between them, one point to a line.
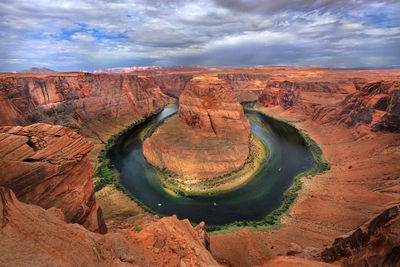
48 166
172 84
376 243
284 94
376 104
208 138
247 86
209 105
77 99
288 93
31 235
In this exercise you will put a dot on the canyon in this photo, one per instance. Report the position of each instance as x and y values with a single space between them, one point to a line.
344 216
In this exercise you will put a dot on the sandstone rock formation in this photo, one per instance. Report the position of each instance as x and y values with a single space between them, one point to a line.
376 104
173 84
247 86
209 105
48 166
33 236
77 99
376 243
283 94
208 138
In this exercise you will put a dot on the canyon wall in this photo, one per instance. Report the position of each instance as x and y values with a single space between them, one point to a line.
247 86
376 243
33 236
48 166
76 99
173 84
372 104
376 104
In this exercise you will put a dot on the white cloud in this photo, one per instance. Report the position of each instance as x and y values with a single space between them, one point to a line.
83 37
71 35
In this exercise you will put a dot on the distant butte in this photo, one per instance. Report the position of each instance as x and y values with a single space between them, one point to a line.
35 71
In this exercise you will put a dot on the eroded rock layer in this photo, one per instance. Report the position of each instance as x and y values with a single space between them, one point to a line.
33 236
208 138
77 99
376 243
375 105
209 105
48 166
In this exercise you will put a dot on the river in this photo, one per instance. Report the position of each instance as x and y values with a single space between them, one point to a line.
289 156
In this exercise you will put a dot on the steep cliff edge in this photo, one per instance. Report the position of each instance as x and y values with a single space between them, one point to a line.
48 166
375 105
247 86
376 243
76 100
172 84
33 236
209 137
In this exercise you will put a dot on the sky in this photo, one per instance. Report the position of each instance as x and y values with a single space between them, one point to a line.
93 34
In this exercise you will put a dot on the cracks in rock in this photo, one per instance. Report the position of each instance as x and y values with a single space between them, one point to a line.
30 160
212 125
31 144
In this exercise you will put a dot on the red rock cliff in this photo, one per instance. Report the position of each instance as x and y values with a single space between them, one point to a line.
211 106
48 166
33 236
208 138
77 98
375 105
172 84
247 86
376 243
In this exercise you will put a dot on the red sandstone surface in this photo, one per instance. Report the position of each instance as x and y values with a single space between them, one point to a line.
76 100
210 136
376 243
48 166
33 236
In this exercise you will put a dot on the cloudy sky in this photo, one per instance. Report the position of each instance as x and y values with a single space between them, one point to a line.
92 34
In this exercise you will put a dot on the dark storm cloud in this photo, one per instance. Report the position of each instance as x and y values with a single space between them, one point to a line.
91 34
304 5
303 54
